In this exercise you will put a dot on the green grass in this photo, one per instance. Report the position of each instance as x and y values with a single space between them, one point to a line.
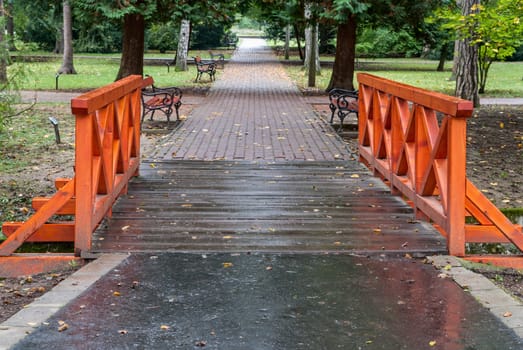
99 70
95 70
505 79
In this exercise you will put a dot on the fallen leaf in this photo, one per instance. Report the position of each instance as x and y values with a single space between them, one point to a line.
355 176
117 294
227 264
152 165
337 243
447 267
125 228
268 268
432 343
164 327
227 237
62 326
507 314
376 230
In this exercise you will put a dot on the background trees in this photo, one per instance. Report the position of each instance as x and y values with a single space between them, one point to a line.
347 28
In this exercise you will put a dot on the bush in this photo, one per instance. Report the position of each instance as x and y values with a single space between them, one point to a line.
207 36
162 37
382 42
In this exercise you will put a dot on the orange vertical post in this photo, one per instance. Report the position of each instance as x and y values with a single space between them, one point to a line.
84 182
457 178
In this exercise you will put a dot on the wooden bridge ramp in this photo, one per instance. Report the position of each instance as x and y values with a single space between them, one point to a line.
226 206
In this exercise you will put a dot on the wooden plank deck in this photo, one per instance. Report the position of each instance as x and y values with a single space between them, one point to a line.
227 206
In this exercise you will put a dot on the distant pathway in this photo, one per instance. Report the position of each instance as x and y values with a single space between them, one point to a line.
253 112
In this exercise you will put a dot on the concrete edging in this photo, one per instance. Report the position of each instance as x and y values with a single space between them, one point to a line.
33 315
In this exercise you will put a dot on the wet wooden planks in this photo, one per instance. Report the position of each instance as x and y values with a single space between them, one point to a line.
266 207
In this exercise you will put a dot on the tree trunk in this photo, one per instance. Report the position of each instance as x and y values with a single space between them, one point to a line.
3 47
67 64
454 61
467 67
297 35
183 45
442 57
10 26
132 46
287 40
343 70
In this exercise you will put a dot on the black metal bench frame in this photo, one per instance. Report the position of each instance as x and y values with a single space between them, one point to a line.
343 101
208 67
161 99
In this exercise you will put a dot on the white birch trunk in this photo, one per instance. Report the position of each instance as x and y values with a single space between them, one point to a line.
183 45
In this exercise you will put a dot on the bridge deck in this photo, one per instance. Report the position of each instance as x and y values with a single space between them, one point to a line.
253 168
280 207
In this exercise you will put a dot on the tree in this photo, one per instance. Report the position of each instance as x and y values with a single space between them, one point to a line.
497 32
485 32
67 64
3 51
345 14
467 61
132 45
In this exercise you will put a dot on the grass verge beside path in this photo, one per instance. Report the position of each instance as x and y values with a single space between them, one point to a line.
505 79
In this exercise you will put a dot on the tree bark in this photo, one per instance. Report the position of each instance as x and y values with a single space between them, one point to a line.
183 45
67 64
442 57
3 47
297 35
10 26
287 40
343 71
132 46
467 63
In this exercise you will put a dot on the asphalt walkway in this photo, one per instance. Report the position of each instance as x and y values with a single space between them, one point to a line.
253 300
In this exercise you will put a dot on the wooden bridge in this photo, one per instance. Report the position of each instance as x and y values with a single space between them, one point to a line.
254 169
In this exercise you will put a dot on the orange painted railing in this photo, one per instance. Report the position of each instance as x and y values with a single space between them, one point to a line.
107 156
415 140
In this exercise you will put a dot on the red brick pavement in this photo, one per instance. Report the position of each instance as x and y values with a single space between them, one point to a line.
253 112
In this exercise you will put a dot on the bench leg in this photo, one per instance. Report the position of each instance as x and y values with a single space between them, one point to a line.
333 109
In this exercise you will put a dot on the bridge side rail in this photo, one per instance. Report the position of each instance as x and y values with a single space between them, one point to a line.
107 151
415 140
107 155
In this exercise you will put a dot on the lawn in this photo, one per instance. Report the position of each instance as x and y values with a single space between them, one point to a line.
95 71
505 79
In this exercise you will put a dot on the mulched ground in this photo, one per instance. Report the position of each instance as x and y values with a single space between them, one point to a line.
495 166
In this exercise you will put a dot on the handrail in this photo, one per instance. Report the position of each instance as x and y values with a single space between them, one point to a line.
107 155
107 151
415 140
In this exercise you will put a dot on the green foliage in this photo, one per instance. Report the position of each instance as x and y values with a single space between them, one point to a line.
382 42
206 36
494 27
162 37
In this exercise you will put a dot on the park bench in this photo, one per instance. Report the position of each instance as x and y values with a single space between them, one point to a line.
208 67
344 102
218 58
161 99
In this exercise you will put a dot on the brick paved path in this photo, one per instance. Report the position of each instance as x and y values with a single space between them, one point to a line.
253 112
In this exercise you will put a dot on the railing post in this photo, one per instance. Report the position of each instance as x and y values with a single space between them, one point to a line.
456 177
84 183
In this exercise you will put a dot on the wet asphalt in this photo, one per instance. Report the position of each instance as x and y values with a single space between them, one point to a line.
272 301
